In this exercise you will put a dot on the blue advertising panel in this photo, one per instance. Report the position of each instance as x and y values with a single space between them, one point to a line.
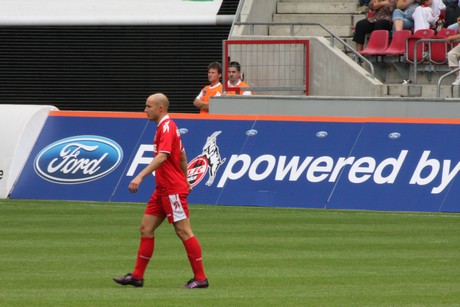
402 167
254 161
284 164
452 202
207 144
78 158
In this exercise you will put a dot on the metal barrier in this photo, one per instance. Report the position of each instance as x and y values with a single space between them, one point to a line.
279 66
421 41
438 89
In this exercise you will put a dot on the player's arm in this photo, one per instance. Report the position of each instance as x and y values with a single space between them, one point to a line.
159 159
183 167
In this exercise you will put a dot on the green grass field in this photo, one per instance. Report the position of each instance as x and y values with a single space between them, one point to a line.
65 253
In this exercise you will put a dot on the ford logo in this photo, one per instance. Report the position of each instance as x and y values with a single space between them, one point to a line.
183 131
78 159
394 135
251 132
321 134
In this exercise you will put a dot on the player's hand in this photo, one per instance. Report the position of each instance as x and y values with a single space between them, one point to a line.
134 185
189 187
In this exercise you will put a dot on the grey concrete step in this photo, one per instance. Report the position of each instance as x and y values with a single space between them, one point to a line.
342 31
316 7
325 1
325 19
425 90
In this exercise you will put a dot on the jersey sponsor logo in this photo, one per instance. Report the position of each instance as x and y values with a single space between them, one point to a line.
78 159
209 160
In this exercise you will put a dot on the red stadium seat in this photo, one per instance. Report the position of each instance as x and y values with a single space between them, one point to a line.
398 43
378 42
438 50
420 54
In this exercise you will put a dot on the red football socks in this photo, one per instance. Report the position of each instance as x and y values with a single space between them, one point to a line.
143 256
192 246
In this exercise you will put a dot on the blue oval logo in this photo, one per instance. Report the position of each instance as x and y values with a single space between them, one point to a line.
251 132
78 159
394 135
321 134
183 131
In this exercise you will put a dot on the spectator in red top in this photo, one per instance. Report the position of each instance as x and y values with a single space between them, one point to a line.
169 200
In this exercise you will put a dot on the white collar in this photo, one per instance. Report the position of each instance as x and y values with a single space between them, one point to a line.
166 117
229 84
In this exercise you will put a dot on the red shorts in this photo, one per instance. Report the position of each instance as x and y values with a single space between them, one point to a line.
174 206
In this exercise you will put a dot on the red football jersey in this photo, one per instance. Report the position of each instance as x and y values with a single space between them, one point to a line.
169 177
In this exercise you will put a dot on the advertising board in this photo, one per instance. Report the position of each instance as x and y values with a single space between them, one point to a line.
295 162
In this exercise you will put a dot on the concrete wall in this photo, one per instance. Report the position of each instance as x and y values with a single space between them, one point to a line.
332 71
255 11
334 106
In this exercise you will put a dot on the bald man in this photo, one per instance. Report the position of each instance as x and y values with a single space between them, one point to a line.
169 199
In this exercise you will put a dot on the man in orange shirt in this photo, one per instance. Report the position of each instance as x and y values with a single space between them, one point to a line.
234 80
213 89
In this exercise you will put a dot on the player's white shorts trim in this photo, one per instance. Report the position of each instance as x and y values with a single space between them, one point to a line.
176 207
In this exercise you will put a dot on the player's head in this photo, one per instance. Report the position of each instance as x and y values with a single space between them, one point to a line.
156 107
234 72
214 72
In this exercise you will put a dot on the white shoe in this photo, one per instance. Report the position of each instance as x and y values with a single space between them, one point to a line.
457 81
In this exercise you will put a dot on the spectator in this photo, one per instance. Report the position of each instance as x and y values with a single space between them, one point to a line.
452 13
234 80
363 7
213 89
439 10
453 55
438 7
424 17
402 15
380 21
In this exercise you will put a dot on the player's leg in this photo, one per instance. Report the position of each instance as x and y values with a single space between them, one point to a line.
179 217
194 254
176 209
147 243
152 219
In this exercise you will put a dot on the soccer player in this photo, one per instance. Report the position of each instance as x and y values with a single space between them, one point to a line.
169 200
213 89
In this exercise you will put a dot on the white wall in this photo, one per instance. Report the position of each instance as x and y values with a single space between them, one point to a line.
20 126
107 12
